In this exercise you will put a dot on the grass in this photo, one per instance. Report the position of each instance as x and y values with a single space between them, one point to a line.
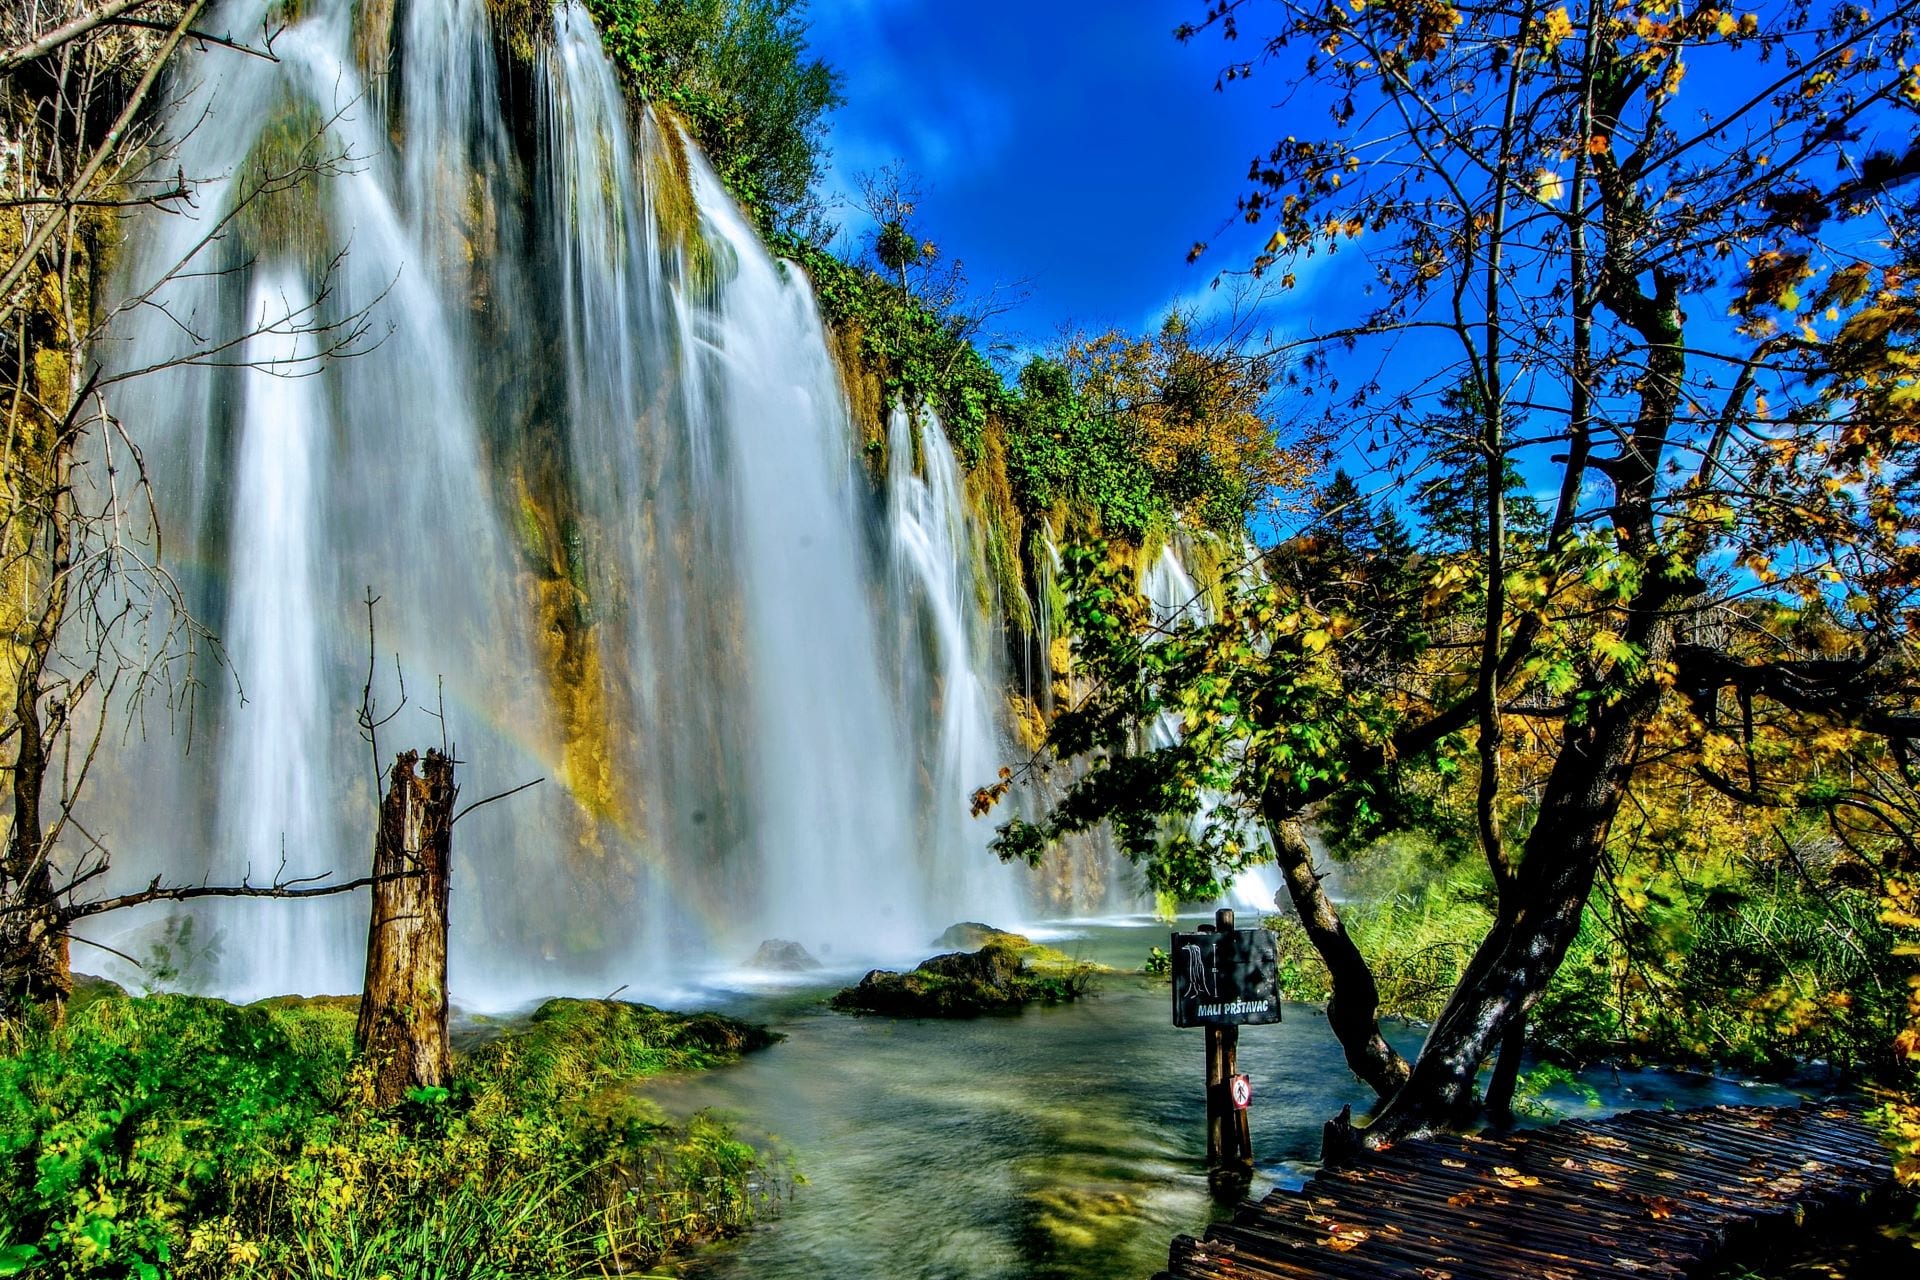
177 1136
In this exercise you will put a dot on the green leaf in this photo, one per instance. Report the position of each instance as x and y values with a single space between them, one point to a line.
15 1259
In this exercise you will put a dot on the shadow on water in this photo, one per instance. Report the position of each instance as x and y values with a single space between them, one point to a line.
1061 1143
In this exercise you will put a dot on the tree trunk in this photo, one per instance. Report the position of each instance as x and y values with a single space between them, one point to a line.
34 968
402 1032
1352 1009
1538 917
1506 1074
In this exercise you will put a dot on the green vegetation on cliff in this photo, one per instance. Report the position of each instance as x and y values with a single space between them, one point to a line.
179 1136
736 71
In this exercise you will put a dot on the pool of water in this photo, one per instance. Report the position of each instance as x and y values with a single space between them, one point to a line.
1062 1142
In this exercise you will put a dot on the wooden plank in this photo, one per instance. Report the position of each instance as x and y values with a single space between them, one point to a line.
1638 1195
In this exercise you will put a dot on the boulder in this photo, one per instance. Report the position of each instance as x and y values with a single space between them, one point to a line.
960 984
777 955
971 935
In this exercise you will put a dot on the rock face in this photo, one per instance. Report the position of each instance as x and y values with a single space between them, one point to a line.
777 955
960 984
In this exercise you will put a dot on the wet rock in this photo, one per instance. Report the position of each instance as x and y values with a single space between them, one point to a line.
960 984
971 935
777 955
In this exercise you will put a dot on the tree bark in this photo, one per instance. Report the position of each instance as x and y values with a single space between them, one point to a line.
35 968
1353 1007
402 1032
1506 1073
35 973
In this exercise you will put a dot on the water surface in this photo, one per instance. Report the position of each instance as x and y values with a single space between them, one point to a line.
1063 1142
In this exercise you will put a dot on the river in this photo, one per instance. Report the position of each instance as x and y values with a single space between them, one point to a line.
1061 1143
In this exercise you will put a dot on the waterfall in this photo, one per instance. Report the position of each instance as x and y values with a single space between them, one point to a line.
587 444
935 579
1174 599
270 801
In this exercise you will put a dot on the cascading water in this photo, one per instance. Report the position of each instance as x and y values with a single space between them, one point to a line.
934 584
270 800
1175 599
591 451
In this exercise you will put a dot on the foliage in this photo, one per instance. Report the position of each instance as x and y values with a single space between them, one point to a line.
1555 224
738 72
1902 1112
923 357
1746 976
1061 452
1199 415
176 1135
1529 1094
1151 431
1411 912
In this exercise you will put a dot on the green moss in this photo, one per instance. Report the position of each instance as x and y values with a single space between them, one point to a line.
533 534
1004 976
520 27
971 935
574 539
990 495
284 209
572 1047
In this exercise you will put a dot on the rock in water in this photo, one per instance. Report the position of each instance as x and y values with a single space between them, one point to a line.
971 935
961 984
777 955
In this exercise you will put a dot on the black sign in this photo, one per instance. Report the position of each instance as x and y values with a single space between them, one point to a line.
1225 979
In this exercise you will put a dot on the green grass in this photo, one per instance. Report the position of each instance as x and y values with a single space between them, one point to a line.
177 1136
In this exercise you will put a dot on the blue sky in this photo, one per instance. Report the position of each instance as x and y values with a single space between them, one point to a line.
1080 147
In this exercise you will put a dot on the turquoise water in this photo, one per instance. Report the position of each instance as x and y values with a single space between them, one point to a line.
1063 1142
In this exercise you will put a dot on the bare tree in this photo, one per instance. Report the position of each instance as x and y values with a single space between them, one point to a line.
91 617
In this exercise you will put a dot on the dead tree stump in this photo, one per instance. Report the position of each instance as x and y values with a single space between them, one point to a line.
402 1032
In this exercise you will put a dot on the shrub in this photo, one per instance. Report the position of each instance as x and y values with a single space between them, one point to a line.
184 1136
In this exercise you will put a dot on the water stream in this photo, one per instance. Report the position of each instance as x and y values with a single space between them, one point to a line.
1062 1143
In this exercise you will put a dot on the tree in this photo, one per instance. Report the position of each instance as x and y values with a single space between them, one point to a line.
890 197
1343 518
1198 409
92 620
1696 295
1452 503
738 72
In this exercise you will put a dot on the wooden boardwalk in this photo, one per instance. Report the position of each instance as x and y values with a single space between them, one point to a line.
1643 1194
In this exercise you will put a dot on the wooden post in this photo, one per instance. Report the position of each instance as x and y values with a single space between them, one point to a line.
1239 1155
1217 1104
402 1031
1229 1141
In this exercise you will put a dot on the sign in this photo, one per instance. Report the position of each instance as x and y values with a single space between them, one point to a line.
1225 978
1240 1088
